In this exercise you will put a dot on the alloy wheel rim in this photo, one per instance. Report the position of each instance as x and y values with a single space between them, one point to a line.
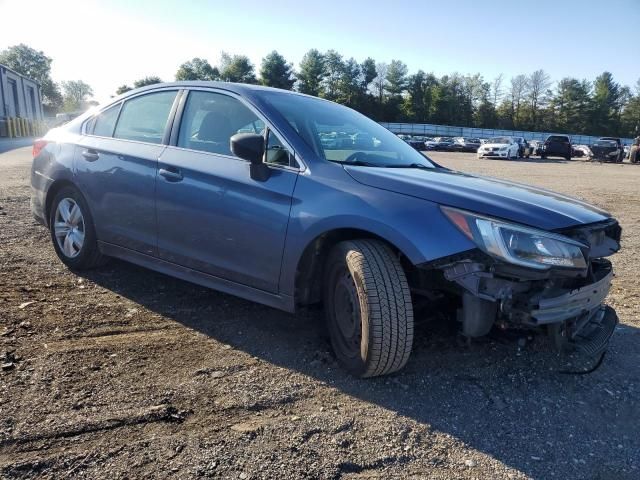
68 227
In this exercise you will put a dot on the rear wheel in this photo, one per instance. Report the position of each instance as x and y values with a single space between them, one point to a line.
368 308
72 230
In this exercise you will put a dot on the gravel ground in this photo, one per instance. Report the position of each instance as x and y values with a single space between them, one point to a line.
125 373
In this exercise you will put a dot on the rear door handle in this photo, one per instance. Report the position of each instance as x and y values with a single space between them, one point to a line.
172 174
90 155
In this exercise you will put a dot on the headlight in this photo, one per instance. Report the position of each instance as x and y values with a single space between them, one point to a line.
503 149
518 244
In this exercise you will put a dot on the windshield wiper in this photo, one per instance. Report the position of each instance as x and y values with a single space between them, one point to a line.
356 163
410 165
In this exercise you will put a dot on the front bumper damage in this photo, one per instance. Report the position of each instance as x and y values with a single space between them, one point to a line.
566 304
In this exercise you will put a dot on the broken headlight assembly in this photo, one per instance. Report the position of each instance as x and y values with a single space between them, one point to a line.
517 244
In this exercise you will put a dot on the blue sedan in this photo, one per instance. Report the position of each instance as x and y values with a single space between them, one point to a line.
237 188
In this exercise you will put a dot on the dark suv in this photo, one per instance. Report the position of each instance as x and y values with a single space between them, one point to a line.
557 146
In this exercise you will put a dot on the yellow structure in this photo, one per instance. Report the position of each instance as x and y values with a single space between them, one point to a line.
23 127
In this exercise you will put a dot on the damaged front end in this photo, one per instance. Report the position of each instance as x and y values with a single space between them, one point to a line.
565 298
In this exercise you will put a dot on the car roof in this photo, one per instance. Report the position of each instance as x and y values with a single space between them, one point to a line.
240 88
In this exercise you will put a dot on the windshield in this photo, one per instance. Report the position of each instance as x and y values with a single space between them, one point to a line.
339 134
606 143
499 140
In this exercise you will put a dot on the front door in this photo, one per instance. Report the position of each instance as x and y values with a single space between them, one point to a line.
212 217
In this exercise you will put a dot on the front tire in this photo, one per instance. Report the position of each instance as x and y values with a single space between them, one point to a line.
72 231
368 308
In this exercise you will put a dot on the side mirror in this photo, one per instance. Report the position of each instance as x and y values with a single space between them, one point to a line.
250 146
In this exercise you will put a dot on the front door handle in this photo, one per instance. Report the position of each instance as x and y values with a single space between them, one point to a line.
90 155
171 174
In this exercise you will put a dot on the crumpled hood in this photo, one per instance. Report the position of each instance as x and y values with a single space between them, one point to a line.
516 202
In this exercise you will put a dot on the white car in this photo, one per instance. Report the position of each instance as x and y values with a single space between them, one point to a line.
499 147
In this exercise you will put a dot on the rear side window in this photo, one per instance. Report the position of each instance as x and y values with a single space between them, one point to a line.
211 119
144 118
104 122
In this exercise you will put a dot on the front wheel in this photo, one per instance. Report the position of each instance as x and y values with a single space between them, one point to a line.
368 308
72 230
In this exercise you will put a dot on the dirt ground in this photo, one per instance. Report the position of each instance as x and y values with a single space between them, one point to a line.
125 373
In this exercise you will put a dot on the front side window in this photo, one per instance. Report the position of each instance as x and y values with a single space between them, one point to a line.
211 119
144 118
104 122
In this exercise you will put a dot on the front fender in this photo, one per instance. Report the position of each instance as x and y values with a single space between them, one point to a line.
417 227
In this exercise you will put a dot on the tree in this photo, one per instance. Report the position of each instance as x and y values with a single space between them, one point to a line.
75 94
517 94
571 105
380 81
631 115
606 97
413 107
236 68
123 89
537 86
276 72
143 82
396 78
333 71
496 89
34 64
349 91
311 73
368 69
197 69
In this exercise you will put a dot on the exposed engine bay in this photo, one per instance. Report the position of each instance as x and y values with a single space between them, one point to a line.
566 303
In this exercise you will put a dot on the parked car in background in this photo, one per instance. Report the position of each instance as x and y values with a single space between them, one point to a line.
417 142
430 144
627 149
556 146
229 186
362 140
443 144
335 140
581 151
607 149
465 144
577 152
522 145
499 147
535 147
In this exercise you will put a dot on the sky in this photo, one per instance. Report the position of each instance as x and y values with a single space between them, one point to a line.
115 42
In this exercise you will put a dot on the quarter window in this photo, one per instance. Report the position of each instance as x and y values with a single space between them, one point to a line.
104 122
277 153
211 119
144 118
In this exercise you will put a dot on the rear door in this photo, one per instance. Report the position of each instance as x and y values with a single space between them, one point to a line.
212 216
116 162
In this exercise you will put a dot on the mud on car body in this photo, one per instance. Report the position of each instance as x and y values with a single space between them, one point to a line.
243 189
